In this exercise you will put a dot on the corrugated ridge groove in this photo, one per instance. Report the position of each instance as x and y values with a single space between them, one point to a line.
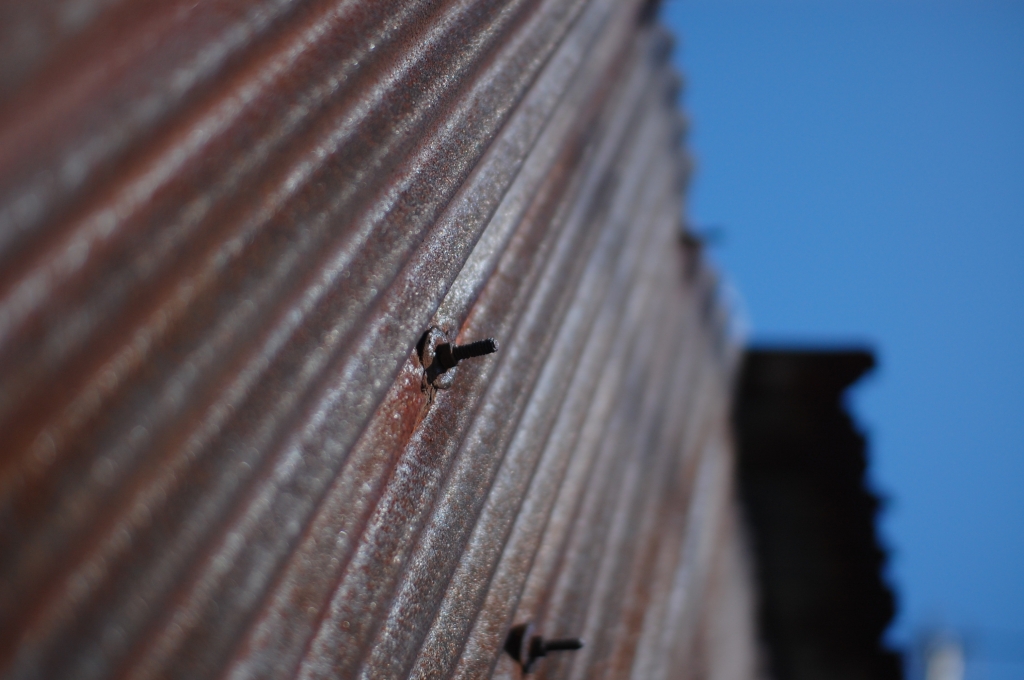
204 639
178 210
674 514
682 358
31 32
400 511
653 462
95 101
623 362
608 395
531 454
605 382
192 310
643 391
383 545
476 465
616 367
622 636
403 399
659 634
649 461
587 98
471 480
635 79
599 372
366 452
603 369
167 204
716 511
458 292
701 654
683 528
580 476
444 424
673 633
534 422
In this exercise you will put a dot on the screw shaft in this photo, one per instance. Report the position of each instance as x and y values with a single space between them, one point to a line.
474 349
559 645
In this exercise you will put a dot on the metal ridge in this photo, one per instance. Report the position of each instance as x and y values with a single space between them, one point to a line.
530 519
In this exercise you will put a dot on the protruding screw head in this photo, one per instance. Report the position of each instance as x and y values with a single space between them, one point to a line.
526 647
439 356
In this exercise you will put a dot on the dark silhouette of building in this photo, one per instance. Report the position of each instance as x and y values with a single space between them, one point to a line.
823 603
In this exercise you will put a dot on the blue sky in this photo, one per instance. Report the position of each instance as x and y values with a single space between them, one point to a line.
865 161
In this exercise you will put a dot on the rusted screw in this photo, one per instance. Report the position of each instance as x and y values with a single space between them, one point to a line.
565 644
525 647
438 356
449 355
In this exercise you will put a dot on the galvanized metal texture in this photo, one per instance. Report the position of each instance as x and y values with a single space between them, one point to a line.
225 226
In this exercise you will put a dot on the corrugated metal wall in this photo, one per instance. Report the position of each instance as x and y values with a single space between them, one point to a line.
224 228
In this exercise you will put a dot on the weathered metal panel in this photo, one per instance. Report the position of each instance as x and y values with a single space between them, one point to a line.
224 228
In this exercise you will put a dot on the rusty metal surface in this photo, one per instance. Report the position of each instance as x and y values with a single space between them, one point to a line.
225 226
